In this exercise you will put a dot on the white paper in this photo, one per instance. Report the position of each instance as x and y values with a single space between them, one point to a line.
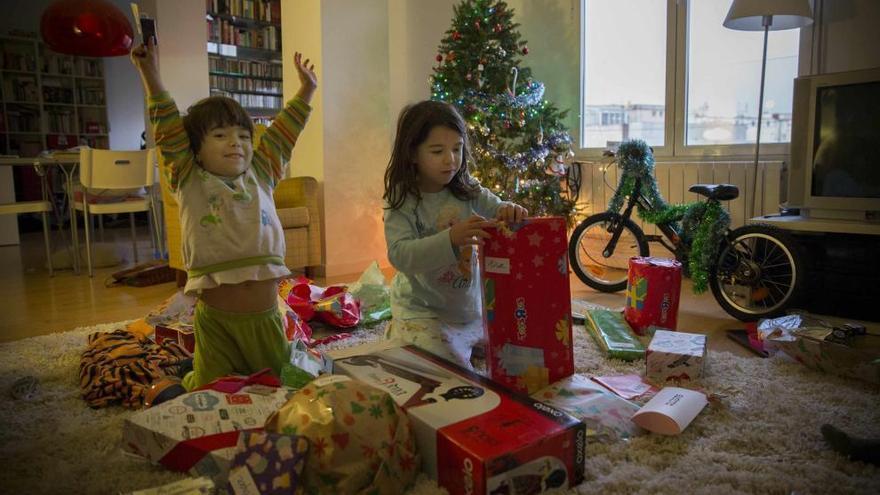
670 411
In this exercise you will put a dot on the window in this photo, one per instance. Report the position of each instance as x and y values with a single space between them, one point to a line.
673 75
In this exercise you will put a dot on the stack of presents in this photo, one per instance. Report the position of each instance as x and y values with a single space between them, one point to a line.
369 418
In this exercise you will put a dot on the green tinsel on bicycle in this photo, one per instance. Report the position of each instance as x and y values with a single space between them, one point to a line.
703 224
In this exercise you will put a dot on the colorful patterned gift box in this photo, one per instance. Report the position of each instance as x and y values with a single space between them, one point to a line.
473 435
360 440
198 432
675 357
527 303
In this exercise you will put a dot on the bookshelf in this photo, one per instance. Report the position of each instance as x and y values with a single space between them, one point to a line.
244 54
49 101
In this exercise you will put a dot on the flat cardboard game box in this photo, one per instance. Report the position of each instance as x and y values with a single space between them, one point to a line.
473 435
527 303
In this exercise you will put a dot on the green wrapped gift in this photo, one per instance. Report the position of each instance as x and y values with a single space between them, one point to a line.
614 335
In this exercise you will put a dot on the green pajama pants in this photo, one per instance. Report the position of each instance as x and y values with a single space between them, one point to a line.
236 344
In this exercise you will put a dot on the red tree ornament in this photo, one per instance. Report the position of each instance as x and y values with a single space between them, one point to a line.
456 35
91 28
438 58
498 28
525 50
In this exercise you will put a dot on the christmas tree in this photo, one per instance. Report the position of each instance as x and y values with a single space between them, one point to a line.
520 148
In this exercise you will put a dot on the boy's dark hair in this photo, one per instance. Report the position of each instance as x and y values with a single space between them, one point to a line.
210 113
413 126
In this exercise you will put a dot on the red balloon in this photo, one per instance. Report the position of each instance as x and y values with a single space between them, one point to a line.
91 28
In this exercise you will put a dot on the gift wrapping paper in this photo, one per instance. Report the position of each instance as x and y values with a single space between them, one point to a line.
527 303
675 357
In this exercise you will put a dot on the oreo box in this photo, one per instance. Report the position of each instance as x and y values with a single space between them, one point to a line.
474 436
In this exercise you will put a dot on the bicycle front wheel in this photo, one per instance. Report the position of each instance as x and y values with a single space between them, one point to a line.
759 273
605 271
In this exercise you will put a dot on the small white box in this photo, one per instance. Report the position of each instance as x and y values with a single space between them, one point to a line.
675 357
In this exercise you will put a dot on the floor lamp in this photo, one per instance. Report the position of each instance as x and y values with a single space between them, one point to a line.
766 15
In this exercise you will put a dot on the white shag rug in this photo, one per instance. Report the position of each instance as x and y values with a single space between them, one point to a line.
763 439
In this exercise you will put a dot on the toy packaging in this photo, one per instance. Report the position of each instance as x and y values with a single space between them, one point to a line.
675 357
472 434
527 303
652 293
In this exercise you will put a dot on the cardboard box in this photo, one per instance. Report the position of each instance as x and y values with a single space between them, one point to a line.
473 435
527 304
181 333
198 432
860 360
675 357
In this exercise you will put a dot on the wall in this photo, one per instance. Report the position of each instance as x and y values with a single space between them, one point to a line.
841 38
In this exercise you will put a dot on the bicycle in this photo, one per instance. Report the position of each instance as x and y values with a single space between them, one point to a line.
758 271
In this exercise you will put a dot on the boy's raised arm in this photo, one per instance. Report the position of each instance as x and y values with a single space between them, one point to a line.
146 59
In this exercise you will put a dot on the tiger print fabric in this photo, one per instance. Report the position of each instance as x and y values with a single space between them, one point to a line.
118 367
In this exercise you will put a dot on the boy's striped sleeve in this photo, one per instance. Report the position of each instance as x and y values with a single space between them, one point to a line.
273 154
171 139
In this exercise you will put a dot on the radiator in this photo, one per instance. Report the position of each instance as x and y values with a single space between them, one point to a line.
599 181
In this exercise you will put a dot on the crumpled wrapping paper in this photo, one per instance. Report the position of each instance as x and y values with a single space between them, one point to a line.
361 441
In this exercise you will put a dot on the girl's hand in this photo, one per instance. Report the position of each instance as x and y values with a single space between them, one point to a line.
307 78
511 213
470 231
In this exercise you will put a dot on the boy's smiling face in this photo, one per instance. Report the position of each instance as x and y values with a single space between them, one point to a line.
226 151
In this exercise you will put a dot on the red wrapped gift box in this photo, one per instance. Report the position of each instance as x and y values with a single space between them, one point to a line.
180 333
652 292
527 303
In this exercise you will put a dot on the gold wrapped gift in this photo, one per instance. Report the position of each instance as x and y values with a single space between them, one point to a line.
361 441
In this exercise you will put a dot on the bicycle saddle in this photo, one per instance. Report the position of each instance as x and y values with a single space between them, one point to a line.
721 192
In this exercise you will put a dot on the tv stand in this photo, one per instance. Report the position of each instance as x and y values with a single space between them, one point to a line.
841 263
801 223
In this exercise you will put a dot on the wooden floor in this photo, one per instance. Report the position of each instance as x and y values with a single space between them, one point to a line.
36 304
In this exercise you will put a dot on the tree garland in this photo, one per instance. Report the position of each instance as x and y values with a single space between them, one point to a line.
703 229
703 224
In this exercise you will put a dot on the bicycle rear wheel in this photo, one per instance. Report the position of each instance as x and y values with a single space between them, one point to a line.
759 273
590 239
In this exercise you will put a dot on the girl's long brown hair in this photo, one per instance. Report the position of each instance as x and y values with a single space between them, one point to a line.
413 126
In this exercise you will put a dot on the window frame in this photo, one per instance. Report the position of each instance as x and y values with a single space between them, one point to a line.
674 146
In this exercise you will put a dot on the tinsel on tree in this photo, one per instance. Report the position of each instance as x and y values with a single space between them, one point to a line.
521 149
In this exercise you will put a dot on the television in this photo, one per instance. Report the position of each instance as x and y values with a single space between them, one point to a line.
835 146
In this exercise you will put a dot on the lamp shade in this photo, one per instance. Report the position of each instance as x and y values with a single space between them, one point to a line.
91 28
748 15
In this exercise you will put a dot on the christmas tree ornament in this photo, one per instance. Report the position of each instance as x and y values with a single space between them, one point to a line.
468 76
456 35
498 28
480 67
515 72
525 50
